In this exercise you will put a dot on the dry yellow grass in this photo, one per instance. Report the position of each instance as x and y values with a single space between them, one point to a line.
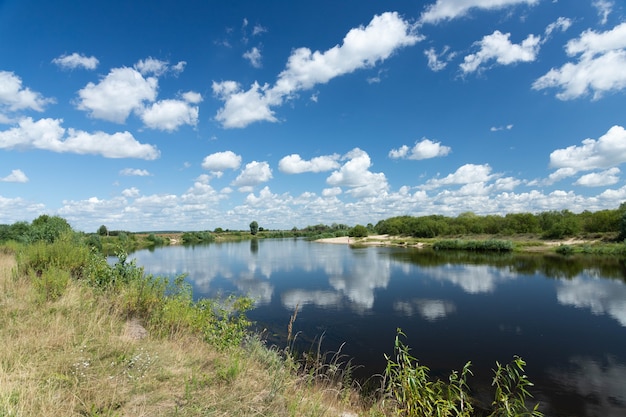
75 357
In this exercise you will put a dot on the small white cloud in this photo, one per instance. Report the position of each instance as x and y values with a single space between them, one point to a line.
254 57
562 24
221 161
192 97
131 192
438 61
15 176
254 173
169 115
499 128
498 47
76 60
424 149
466 174
452 9
132 172
152 66
599 179
605 8
14 97
294 164
258 29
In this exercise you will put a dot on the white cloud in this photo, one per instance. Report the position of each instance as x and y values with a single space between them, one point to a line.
600 179
362 47
608 151
152 66
254 173
258 29
294 164
466 174
605 8
221 161
192 97
47 134
424 149
76 60
562 24
438 61
452 9
132 172
331 192
599 69
16 175
499 128
356 176
169 115
254 57
14 97
131 192
122 91
498 47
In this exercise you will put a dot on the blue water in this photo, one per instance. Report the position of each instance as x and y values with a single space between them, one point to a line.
566 318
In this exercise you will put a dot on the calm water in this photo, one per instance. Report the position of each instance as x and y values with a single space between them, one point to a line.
565 317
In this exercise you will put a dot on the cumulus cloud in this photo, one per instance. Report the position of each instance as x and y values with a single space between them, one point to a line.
452 9
498 47
131 172
14 97
169 115
122 91
76 60
294 164
598 70
254 57
362 47
466 174
17 175
48 134
254 173
608 151
424 149
355 175
221 161
600 179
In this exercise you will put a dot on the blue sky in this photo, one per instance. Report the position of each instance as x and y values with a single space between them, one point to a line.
163 115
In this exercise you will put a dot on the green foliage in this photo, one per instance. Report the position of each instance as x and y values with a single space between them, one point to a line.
416 394
197 237
409 384
491 245
49 228
254 228
50 283
511 385
103 231
65 253
358 231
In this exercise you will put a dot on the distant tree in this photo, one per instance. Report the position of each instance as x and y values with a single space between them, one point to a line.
103 231
49 228
254 228
358 231
218 230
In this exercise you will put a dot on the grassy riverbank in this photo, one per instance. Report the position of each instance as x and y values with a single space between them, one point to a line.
82 337
78 351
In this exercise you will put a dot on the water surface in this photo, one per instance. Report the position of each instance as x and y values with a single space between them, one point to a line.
565 316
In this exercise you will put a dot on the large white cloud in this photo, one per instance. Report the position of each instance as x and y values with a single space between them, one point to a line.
599 69
48 134
452 9
15 97
355 175
362 47
254 173
122 91
608 151
424 149
294 164
498 47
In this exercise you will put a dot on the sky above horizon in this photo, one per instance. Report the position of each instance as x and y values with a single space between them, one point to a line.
163 115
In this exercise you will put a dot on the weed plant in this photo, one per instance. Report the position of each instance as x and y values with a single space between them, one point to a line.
491 245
